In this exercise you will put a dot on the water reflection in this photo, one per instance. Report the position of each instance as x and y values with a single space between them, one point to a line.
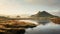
49 28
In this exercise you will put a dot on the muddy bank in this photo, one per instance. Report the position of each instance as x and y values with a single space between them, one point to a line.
22 31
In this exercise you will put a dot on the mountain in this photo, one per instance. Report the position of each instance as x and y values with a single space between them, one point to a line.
43 14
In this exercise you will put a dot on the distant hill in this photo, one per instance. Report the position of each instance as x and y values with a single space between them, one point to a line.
43 14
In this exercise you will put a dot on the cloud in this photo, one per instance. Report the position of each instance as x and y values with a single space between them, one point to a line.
45 2
16 6
9 7
8 4
55 12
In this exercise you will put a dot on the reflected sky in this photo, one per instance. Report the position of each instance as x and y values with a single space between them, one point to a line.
49 28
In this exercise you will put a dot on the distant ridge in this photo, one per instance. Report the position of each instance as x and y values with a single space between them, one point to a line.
43 14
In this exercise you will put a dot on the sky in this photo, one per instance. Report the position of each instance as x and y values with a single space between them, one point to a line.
19 7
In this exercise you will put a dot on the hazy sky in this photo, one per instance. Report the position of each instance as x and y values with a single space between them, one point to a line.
18 7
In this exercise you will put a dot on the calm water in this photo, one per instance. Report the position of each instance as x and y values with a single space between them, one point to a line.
49 28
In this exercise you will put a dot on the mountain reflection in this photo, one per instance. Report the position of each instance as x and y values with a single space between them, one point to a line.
49 28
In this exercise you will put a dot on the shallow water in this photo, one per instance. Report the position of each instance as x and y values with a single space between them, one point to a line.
49 28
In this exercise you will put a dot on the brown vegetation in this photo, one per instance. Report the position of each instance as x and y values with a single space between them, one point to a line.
55 20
